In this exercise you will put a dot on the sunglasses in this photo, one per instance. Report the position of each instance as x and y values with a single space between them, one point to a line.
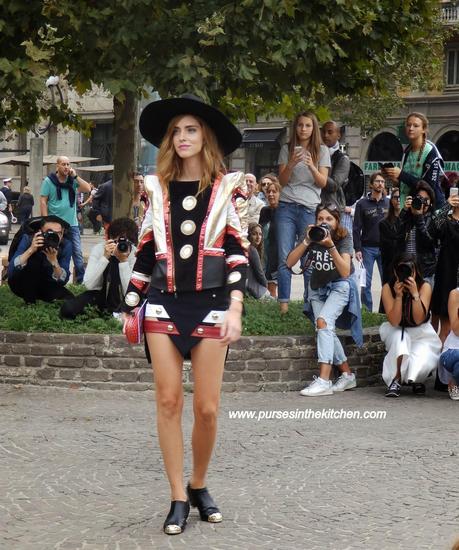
330 207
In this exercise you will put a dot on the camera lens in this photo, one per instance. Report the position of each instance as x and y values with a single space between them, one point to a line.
123 245
317 233
417 203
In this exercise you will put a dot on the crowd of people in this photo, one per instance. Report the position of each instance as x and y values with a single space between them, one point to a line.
200 239
403 219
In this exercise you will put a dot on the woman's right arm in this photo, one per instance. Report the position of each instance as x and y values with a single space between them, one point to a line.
393 306
297 253
453 310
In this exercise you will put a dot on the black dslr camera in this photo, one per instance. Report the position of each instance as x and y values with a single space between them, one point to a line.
418 202
123 245
318 233
404 270
51 239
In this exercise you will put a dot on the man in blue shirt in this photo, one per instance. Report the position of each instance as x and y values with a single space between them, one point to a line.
58 197
40 266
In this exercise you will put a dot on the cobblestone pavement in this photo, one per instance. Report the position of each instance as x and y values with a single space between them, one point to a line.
82 470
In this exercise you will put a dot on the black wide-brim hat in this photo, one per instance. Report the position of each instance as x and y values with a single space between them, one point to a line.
156 116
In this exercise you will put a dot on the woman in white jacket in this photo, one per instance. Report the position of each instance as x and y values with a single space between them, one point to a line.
108 271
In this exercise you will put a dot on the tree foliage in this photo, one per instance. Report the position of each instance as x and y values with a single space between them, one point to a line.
251 57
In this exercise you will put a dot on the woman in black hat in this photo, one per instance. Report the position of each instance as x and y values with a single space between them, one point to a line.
191 265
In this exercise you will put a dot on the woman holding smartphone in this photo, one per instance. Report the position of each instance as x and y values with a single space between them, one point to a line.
421 161
303 169
191 266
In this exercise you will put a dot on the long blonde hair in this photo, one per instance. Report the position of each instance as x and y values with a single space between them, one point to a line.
169 165
315 141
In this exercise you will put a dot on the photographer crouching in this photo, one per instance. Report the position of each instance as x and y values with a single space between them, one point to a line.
39 267
108 271
327 249
413 347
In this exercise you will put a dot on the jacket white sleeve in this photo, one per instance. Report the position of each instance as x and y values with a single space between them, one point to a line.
97 263
126 270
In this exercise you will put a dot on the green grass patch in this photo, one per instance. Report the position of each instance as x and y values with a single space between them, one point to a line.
261 319
264 319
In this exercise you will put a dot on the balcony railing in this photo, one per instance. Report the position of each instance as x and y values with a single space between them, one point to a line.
450 13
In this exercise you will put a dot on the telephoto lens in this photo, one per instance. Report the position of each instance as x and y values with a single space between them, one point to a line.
318 233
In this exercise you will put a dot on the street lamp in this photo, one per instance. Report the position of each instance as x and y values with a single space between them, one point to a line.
36 146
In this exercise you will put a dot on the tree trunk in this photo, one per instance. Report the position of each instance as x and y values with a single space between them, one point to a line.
124 155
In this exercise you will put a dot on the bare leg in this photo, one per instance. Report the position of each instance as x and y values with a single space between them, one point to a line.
344 367
325 371
167 369
445 327
208 361
272 287
398 373
283 308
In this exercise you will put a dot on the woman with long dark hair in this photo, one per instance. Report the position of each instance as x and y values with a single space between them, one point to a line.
303 170
191 265
389 234
328 250
412 345
421 161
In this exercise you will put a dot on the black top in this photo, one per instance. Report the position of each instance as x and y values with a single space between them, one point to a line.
185 268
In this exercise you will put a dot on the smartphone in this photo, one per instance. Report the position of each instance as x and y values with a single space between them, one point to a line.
298 148
383 165
453 192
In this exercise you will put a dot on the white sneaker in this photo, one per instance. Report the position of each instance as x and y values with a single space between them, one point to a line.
318 387
454 392
345 382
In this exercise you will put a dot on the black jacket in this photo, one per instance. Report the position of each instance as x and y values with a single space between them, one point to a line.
425 239
337 177
389 242
102 201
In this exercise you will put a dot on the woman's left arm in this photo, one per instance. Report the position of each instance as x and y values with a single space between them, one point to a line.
420 299
320 174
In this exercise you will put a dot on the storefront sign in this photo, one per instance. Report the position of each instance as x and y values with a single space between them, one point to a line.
370 166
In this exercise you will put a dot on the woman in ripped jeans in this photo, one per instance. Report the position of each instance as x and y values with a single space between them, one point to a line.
327 249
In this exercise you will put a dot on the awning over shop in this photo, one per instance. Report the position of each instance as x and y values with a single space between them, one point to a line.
24 160
100 168
257 137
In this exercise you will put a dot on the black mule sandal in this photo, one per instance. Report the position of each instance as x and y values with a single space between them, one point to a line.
176 518
201 499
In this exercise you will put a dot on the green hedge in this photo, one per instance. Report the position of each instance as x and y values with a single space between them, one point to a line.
262 318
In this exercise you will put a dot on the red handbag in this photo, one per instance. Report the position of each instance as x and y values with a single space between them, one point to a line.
133 326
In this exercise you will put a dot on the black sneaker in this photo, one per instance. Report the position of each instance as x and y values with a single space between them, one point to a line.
418 389
394 389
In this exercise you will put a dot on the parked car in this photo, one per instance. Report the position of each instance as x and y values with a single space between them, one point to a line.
4 228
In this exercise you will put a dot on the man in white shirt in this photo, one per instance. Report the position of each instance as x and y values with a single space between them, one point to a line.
108 271
254 204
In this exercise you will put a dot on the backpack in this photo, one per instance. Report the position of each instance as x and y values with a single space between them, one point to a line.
354 186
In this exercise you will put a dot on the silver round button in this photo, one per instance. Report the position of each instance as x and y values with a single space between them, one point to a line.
188 227
189 202
186 251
